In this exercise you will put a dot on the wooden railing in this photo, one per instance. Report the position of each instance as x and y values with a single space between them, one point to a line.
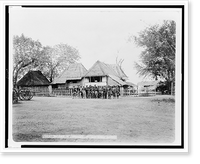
61 92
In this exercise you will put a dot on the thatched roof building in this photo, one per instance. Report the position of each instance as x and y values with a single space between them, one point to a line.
111 74
103 69
33 78
73 72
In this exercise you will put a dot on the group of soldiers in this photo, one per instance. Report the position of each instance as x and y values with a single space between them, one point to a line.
96 92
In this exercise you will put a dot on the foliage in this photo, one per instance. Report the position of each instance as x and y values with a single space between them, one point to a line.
158 57
30 54
26 55
57 58
163 87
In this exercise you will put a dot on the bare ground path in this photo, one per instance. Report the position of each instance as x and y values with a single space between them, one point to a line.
130 119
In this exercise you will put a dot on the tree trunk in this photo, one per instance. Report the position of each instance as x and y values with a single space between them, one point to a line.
51 76
169 87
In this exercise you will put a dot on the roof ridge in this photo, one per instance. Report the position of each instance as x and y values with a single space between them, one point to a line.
72 71
82 71
32 78
101 67
91 68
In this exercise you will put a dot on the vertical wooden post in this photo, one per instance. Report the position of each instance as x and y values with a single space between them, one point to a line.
50 89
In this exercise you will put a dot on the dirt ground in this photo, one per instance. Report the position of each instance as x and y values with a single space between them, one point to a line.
130 119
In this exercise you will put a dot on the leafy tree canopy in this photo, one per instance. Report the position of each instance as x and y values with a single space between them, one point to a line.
26 54
29 54
158 56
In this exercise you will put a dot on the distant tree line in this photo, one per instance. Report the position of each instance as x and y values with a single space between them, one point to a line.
30 54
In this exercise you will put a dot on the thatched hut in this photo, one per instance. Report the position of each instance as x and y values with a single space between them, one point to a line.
36 82
71 76
101 74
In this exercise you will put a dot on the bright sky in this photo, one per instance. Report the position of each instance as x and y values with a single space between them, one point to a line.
98 34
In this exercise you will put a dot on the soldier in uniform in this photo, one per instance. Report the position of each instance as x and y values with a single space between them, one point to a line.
74 92
87 92
84 92
118 91
77 91
100 93
104 92
81 92
95 92
113 91
109 92
90 92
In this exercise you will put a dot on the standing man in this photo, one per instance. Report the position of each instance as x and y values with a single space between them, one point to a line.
113 91
109 92
95 92
73 92
118 91
104 92
90 92
84 92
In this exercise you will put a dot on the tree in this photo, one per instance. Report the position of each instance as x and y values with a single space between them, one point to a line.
26 55
56 59
30 54
158 57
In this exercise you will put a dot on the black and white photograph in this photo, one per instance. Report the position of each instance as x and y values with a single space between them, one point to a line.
104 76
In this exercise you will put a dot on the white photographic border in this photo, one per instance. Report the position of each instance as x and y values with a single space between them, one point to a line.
178 81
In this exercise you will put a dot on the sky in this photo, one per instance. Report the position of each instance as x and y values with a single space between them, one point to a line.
98 34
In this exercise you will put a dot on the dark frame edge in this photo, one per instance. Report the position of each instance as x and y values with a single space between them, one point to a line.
6 74
92 146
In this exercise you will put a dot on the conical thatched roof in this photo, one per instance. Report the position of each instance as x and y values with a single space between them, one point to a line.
33 78
102 69
72 72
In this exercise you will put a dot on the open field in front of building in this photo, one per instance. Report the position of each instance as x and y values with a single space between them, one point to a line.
129 119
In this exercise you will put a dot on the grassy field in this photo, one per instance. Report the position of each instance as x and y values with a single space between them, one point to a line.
131 119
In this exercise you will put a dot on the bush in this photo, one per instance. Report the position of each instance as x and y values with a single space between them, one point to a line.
171 100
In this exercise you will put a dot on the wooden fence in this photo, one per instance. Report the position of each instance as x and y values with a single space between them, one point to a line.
38 90
44 91
62 92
